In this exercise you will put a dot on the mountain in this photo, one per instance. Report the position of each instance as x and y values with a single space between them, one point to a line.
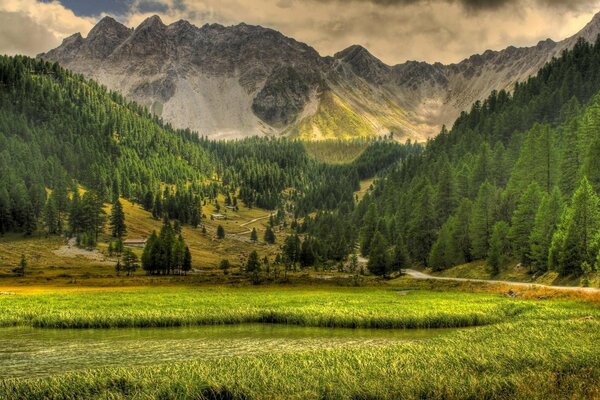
242 80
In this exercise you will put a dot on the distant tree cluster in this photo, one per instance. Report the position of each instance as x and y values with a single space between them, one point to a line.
166 253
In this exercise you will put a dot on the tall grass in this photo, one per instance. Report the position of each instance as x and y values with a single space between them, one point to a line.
511 360
162 307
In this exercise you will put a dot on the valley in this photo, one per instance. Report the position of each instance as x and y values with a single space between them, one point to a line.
220 212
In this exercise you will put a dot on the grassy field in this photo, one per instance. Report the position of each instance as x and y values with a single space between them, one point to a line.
527 348
325 307
50 259
335 151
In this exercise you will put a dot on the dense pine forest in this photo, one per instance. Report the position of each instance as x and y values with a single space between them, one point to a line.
60 132
516 179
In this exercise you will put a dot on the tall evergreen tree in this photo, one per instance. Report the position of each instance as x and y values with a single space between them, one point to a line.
523 222
547 219
117 220
572 244
483 220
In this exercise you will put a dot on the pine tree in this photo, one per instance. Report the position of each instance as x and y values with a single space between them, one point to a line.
369 226
75 214
379 258
547 219
573 243
445 252
499 247
482 220
117 220
446 192
20 270
5 214
269 235
51 217
149 255
461 235
422 230
187 261
523 222
220 232
224 266
130 262
253 267
254 235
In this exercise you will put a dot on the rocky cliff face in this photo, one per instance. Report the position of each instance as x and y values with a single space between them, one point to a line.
244 80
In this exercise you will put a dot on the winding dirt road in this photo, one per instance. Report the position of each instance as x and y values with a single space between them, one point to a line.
420 275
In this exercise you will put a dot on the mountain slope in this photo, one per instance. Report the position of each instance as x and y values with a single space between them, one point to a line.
515 181
243 80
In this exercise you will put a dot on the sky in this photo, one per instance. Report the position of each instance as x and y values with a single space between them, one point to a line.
444 31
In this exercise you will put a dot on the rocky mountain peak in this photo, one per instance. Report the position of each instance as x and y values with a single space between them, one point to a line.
364 64
153 22
108 27
240 80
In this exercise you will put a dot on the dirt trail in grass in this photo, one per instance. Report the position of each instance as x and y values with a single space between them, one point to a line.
251 222
420 275
71 250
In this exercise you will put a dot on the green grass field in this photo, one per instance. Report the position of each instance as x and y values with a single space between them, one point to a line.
529 347
325 307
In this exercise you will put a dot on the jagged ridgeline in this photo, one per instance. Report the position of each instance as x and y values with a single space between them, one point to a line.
57 128
515 179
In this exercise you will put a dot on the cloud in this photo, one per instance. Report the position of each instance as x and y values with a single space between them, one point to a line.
393 30
28 27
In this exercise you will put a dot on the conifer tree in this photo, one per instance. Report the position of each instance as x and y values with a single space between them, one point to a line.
573 242
254 235
422 230
547 219
220 232
269 235
117 220
482 220
379 258
499 247
523 222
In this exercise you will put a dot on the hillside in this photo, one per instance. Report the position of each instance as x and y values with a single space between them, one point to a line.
514 182
70 148
243 80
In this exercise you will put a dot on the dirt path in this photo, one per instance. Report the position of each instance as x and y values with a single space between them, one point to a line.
420 275
72 251
251 222
255 219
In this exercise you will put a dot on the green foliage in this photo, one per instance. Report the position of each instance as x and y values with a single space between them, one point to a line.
220 232
523 222
547 219
166 253
379 258
225 266
573 243
269 235
543 134
499 247
117 220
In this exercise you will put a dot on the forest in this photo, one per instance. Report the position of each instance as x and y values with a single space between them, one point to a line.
61 133
515 178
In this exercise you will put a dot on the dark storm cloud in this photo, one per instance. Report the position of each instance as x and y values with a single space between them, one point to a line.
481 5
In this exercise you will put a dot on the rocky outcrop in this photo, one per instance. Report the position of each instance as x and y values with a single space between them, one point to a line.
246 80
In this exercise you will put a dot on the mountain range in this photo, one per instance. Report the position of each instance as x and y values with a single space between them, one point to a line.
244 80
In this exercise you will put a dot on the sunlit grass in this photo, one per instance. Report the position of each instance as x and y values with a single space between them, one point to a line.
178 306
548 350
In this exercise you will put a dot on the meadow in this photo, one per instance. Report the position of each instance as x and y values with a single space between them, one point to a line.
306 306
532 346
